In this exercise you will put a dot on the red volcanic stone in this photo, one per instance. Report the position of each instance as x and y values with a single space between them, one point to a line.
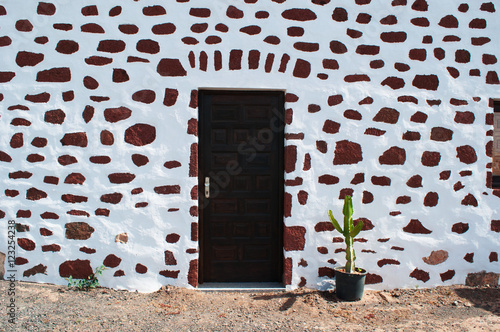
347 152
420 275
420 21
31 59
190 41
119 273
39 98
171 67
460 227
488 7
51 180
495 226
441 134
233 12
90 11
389 20
344 192
330 64
98 60
298 14
466 154
78 269
148 46
290 158
20 175
75 178
295 31
322 146
294 238
366 101
357 78
136 191
66 160
427 82
261 14
45 232
457 186
167 190
170 97
444 175
67 46
394 82
59 75
403 200
140 134
462 56
75 139
324 226
51 247
117 114
55 116
170 258
78 213
419 117
337 47
20 261
253 59
192 276
419 54
113 198
363 18
34 158
326 272
387 261
469 257
393 37
170 274
46 8
453 72
489 59
492 78
376 64
387 115
5 41
129 29
402 67
37 269
107 137
447 275
427 40
16 141
416 227
307 162
202 27
273 40
353 115
172 238
439 53
24 26
464 117
381 180
6 76
172 164
139 159
199 12
469 200
49 215
163 29
354 33
449 21
331 127
192 127
88 113
156 10
90 83
302 197
69 198
368 49
411 136
92 28
11 193
322 250
34 194
111 46
121 177
313 108
328 179
193 160
139 268
335 100
477 23
26 244
430 158
102 212
5 157
420 5
120 75
431 199
393 156
111 261
415 182
339 14
358 178
306 47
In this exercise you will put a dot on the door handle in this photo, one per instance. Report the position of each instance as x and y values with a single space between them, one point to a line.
207 187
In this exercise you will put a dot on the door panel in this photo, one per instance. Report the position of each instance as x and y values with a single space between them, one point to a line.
241 151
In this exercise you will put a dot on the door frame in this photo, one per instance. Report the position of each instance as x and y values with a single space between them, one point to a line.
201 166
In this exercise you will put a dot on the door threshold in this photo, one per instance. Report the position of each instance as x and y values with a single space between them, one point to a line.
242 287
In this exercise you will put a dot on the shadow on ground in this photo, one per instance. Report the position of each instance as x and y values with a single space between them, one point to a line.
485 298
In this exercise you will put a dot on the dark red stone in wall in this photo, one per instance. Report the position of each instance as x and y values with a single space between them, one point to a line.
381 180
121 177
394 156
120 75
466 154
298 14
448 21
113 198
414 182
111 46
331 127
78 269
59 75
347 152
148 46
75 139
337 47
420 275
339 14
67 46
393 37
92 28
156 10
24 26
117 114
170 97
460 228
294 238
167 190
427 82
441 134
387 115
394 82
430 158
111 261
34 194
171 67
140 134
193 273
416 227
163 29
75 178
431 199
46 8
31 59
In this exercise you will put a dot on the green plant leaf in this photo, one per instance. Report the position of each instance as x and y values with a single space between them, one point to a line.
357 229
334 222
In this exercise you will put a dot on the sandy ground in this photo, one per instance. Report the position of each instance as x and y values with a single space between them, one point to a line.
58 308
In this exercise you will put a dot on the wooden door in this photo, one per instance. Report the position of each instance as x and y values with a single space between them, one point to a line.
241 156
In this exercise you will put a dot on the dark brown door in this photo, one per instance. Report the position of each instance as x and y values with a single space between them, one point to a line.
241 164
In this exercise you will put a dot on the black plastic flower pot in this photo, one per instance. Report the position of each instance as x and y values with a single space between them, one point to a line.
350 286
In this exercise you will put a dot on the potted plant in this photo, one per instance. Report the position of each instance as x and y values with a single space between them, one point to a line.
349 280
